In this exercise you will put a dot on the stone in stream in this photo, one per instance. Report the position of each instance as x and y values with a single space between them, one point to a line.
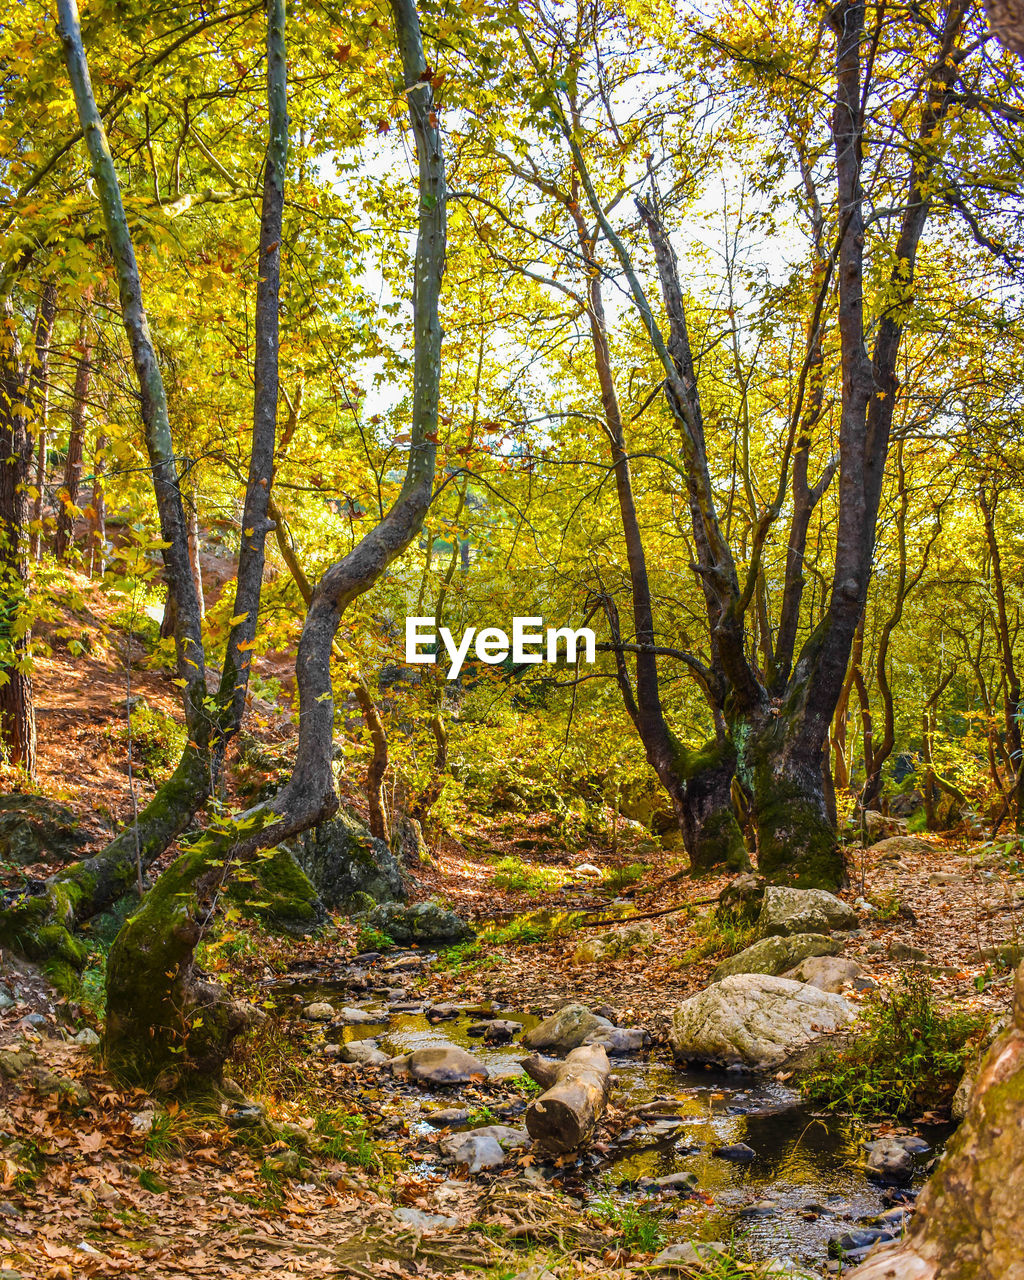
565 1030
888 1161
362 1051
447 1116
318 1011
755 1021
445 1064
619 1040
775 955
350 1016
484 1148
738 1152
855 1243
684 1181
786 911
443 1012
827 973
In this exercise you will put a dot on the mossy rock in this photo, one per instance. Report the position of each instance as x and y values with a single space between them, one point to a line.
345 862
34 829
426 922
280 894
775 955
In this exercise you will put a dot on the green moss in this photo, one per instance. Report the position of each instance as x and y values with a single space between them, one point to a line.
278 892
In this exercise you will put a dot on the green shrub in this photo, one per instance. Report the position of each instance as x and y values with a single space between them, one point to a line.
156 740
618 878
910 1055
512 873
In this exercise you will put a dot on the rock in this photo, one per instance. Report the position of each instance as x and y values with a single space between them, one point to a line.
615 943
827 973
447 1117
859 1240
621 1040
142 1121
86 1036
591 951
501 1030
34 829
906 803
743 895
565 1030
738 1152
443 1012
352 1016
1006 954
587 869
788 1267
426 922
344 861
878 825
776 954
446 1064
889 1161
365 1052
7 1001
484 1148
803 911
904 951
423 1221
278 892
756 1021
892 848
318 1011
684 1181
689 1254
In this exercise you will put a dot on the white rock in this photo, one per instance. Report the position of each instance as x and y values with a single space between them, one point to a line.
754 1020
319 1011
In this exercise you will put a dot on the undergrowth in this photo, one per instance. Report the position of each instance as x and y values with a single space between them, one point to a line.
909 1056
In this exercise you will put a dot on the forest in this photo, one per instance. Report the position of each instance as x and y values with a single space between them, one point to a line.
512 639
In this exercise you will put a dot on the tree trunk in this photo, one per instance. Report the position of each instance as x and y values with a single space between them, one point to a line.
67 500
378 766
711 833
20 395
152 980
98 511
795 829
574 1098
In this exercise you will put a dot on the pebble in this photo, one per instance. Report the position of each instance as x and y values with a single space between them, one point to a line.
739 1151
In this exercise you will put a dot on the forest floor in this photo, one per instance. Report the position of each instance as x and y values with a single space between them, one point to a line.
102 1180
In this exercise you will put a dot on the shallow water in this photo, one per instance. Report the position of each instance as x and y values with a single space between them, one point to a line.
804 1178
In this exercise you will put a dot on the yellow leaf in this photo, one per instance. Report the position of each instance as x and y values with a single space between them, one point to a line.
238 619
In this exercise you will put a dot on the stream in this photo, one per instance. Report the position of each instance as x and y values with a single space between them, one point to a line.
801 1190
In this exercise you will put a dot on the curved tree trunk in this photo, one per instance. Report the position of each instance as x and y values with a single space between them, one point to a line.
182 1024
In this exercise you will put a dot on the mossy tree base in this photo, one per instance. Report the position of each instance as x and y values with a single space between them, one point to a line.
796 835
707 816
165 1018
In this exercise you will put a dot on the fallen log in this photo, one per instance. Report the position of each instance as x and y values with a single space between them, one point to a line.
575 1095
